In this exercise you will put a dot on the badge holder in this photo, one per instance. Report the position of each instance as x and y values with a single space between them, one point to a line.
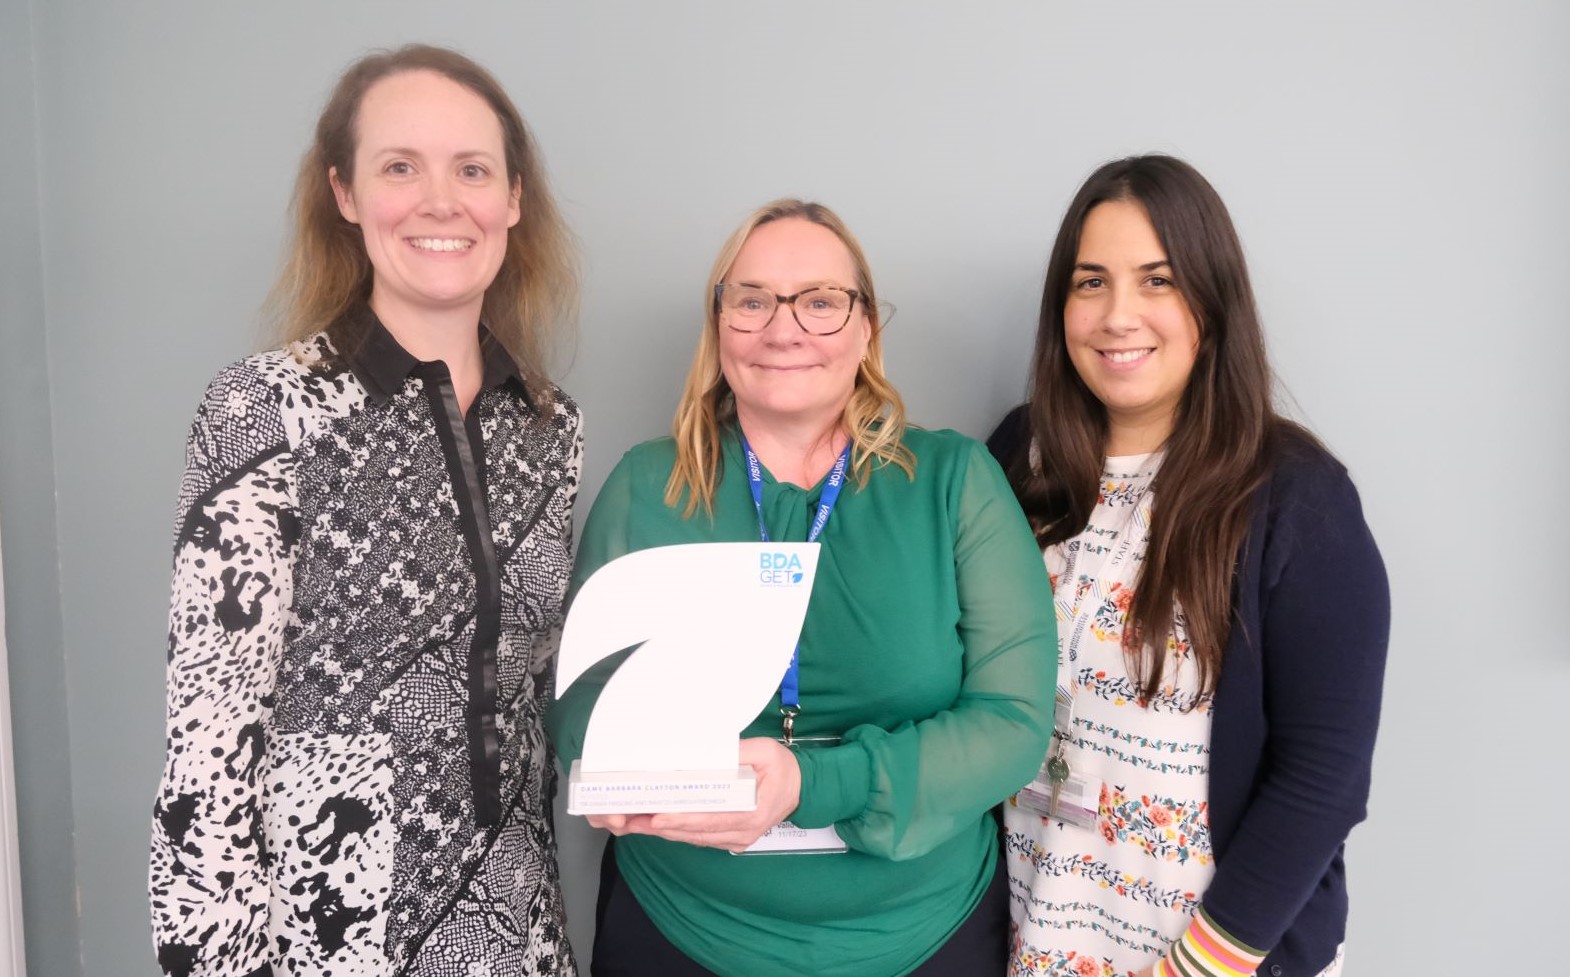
1075 800
786 838
1057 792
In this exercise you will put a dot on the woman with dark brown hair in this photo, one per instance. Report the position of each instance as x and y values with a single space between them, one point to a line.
1222 612
373 540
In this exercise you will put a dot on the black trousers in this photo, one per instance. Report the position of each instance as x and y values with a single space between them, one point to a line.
628 944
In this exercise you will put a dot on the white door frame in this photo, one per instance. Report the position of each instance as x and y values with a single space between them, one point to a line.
12 960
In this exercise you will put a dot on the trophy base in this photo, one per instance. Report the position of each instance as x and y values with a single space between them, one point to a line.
660 792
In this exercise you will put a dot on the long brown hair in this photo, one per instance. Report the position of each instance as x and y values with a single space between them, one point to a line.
874 418
328 273
1223 437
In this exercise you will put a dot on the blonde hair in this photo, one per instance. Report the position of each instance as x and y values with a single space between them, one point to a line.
328 274
874 418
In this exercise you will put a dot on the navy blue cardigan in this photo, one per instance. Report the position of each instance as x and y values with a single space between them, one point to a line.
1296 707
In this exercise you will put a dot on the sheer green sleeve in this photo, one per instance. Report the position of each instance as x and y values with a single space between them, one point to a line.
605 537
899 793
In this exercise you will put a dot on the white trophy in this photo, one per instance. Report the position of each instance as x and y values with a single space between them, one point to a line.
715 625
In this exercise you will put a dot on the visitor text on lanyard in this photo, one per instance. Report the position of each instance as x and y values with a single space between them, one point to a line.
790 686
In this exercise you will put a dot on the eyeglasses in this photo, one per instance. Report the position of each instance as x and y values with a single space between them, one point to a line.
821 311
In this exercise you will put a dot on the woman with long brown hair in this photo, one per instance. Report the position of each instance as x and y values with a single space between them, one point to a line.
373 540
1222 612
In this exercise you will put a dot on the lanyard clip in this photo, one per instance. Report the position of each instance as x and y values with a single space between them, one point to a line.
788 722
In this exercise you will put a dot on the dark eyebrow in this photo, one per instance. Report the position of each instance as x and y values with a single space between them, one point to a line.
1101 269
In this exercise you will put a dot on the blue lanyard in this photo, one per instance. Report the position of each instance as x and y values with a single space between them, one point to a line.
790 685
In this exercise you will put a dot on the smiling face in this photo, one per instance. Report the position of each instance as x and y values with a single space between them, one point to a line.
781 375
1129 331
431 195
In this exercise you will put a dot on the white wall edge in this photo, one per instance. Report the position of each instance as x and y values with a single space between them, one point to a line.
13 962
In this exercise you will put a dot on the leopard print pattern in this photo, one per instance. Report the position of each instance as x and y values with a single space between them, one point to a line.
316 813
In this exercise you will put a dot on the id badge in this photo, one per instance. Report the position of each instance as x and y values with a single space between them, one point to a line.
1078 800
789 839
1072 798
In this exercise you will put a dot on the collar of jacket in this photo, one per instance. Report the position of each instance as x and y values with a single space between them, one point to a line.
382 365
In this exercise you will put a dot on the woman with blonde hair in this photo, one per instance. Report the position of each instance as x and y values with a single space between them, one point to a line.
925 667
372 540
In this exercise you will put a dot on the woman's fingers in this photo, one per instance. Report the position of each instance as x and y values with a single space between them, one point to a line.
779 791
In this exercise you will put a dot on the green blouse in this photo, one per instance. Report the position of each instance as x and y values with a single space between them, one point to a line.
929 645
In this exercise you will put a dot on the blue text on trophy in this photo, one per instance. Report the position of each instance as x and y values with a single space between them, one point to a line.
779 569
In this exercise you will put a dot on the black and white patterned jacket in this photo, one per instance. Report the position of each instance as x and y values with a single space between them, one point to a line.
365 586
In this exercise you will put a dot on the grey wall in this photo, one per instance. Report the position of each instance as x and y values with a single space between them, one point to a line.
28 522
1396 169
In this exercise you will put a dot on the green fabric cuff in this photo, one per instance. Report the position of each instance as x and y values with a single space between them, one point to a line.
835 784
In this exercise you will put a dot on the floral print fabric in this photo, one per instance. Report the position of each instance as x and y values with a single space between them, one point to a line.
1106 901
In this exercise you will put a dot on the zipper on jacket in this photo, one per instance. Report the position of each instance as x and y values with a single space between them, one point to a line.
463 448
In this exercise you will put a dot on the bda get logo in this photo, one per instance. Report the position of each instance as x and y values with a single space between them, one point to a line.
779 569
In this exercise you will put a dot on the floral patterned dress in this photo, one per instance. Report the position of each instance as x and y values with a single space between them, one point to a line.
1107 901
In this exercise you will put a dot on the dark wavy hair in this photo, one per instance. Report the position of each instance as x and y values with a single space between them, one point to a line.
1224 435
